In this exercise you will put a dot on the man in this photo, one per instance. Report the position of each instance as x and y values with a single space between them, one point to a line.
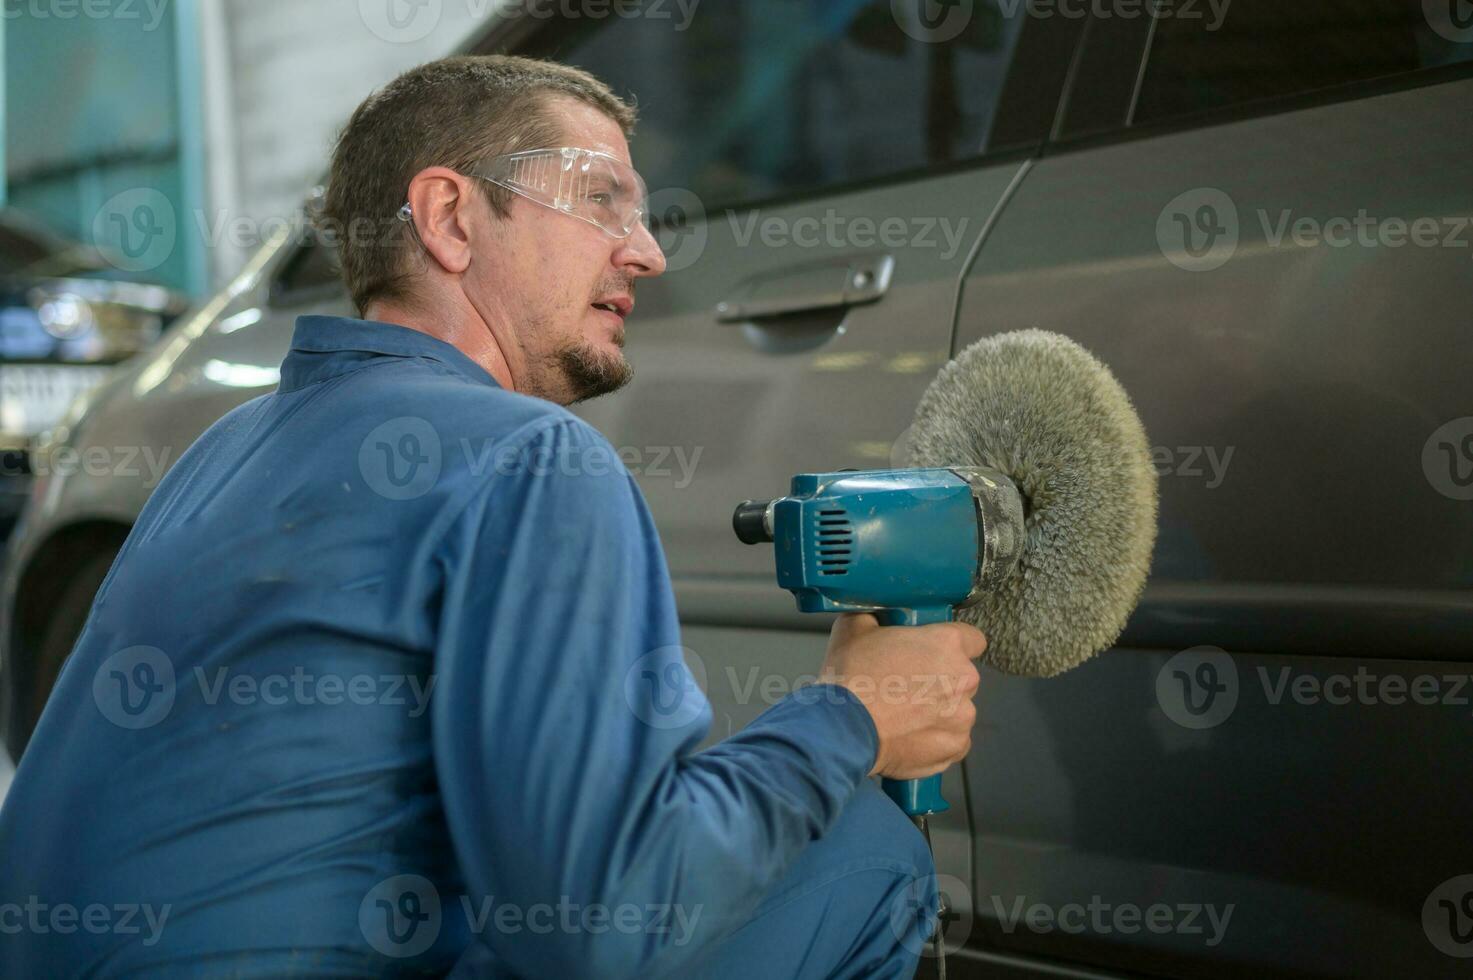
371 688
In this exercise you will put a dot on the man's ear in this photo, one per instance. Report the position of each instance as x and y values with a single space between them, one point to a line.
439 201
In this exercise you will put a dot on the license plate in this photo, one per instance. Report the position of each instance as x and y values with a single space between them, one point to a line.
34 397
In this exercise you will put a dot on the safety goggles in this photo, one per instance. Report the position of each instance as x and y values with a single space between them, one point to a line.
584 184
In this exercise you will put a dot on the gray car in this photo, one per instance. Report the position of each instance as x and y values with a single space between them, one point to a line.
1257 213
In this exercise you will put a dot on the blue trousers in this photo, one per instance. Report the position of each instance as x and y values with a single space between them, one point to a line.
858 903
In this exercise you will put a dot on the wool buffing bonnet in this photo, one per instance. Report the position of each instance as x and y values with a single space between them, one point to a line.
1043 411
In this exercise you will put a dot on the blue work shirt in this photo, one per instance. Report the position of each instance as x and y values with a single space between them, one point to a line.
387 680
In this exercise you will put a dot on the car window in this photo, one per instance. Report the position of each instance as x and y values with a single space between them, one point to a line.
1263 49
311 270
749 101
770 98
19 250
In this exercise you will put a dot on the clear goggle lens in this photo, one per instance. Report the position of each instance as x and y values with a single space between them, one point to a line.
584 184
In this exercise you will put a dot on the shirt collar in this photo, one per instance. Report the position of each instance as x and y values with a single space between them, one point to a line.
317 335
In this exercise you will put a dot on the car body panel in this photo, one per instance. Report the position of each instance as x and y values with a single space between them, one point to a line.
1319 374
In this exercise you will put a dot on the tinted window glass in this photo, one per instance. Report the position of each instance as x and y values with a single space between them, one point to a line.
762 98
313 268
18 250
1262 49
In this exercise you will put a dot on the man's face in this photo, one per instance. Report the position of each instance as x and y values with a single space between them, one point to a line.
546 276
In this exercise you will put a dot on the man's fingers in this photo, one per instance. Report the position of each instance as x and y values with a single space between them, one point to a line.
973 641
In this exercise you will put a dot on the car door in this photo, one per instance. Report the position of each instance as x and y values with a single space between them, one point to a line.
1248 786
819 174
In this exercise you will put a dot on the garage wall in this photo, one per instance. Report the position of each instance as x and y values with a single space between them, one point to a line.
4 182
282 76
226 108
91 112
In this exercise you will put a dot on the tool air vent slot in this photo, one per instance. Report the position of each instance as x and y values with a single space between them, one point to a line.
834 538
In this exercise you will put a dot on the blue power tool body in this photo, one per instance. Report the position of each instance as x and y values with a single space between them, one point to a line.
909 545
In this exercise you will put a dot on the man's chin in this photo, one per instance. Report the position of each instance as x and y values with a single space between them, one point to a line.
592 371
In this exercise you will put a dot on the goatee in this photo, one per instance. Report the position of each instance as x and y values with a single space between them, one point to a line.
591 372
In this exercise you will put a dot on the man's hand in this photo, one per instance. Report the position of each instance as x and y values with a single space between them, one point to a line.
916 681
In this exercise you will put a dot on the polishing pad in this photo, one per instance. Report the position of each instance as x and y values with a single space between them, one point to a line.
1042 410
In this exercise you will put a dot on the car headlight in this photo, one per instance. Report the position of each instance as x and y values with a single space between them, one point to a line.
100 322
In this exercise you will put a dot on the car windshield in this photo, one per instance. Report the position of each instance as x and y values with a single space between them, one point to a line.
26 250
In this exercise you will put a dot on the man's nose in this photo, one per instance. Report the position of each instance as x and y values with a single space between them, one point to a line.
640 253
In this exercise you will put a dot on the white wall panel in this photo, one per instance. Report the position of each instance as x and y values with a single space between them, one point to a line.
282 76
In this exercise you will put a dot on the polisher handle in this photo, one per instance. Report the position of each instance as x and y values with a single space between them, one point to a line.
917 797
919 616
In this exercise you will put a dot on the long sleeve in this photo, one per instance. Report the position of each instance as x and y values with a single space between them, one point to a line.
565 724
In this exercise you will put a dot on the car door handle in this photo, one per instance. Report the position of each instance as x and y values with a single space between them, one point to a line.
823 285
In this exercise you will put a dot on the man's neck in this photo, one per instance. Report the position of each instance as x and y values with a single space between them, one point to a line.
466 334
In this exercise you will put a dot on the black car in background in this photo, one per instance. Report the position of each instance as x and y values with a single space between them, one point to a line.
64 322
